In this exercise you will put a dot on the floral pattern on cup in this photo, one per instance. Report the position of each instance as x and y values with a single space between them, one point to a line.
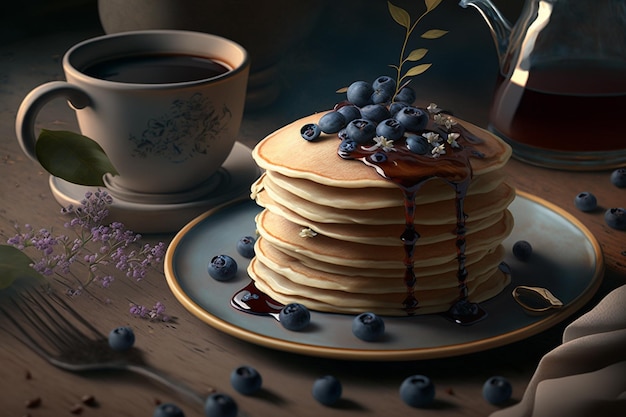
185 131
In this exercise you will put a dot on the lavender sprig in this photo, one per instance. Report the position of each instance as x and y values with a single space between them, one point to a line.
90 243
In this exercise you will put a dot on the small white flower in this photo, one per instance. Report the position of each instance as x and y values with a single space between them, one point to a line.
307 232
452 137
432 137
438 150
381 142
433 108
444 120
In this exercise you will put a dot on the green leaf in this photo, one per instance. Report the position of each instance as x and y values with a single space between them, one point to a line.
400 15
417 70
14 264
73 157
431 4
417 54
434 34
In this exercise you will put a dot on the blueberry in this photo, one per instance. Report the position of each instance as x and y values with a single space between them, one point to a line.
375 112
346 147
222 268
245 246
294 316
412 118
121 338
406 95
417 391
168 410
418 145
497 390
616 218
327 390
384 89
310 131
396 106
618 177
378 157
350 112
385 83
332 122
361 130
522 250
360 93
368 326
220 405
246 380
585 201
390 129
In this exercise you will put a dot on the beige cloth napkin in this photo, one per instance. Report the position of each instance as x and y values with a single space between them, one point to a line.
586 375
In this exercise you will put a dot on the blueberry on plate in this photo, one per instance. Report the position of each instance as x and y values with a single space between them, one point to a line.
418 145
390 129
327 390
222 267
375 112
168 410
220 405
294 316
497 390
618 177
412 118
406 95
368 327
522 250
585 201
417 391
350 112
245 246
361 130
616 218
246 380
121 338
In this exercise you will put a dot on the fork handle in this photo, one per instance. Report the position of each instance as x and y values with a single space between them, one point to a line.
167 381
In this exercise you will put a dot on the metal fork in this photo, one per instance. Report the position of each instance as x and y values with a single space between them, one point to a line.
54 330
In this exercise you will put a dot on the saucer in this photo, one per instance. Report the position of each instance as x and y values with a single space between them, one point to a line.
236 176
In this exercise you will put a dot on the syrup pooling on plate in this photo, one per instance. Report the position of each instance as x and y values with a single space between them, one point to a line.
449 161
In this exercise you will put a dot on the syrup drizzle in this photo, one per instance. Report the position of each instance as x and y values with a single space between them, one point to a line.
410 171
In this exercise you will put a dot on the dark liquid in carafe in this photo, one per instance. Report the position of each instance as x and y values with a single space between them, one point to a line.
571 106
156 68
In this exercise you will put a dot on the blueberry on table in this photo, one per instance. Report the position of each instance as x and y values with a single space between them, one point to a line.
327 390
522 250
121 338
245 246
618 177
294 316
497 390
368 327
585 201
168 410
246 380
222 267
417 391
220 405
616 218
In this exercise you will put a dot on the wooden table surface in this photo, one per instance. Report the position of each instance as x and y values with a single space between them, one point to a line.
202 356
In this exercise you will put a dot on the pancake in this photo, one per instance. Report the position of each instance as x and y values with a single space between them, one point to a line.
348 232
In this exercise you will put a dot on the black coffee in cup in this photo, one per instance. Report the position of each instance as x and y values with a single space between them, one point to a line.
156 68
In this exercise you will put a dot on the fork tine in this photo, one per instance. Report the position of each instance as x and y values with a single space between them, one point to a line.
78 317
27 337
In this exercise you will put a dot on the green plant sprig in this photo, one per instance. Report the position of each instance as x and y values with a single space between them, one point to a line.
403 18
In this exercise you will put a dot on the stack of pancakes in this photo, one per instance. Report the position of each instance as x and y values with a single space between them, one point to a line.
329 234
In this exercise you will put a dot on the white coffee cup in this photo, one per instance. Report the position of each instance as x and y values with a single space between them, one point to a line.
164 135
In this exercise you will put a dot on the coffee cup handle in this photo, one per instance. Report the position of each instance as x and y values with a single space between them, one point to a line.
34 102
